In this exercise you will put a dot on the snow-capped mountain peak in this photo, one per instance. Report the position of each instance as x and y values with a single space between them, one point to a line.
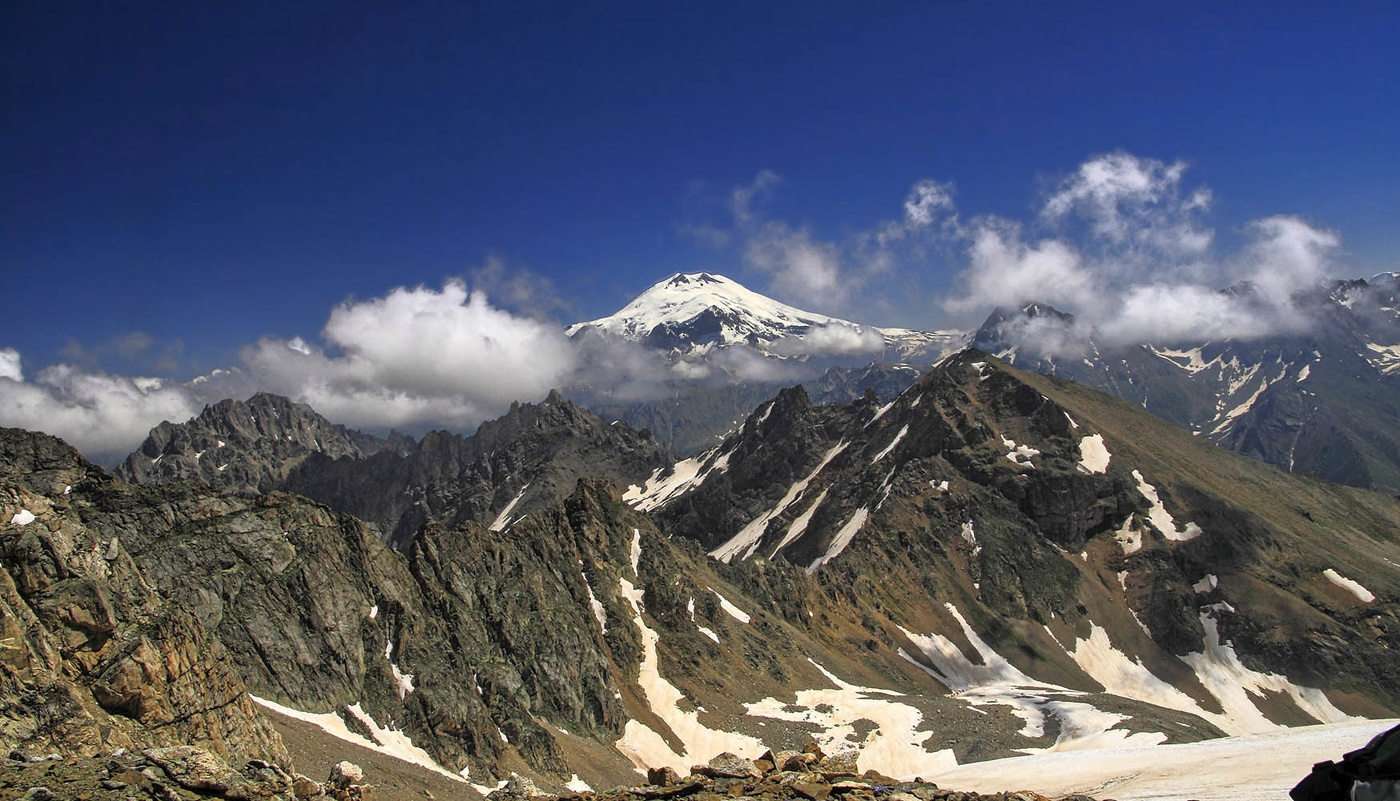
702 307
696 311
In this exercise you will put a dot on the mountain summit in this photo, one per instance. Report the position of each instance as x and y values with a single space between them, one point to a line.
695 312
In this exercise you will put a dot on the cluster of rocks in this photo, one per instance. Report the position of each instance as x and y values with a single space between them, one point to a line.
806 775
179 773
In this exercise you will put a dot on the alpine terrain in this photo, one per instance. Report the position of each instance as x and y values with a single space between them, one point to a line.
1323 401
991 563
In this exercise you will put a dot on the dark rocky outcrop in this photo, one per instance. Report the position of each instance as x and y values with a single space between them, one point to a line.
93 657
247 446
528 459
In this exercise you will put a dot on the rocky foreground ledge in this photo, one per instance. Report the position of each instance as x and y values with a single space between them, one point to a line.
180 773
185 773
806 775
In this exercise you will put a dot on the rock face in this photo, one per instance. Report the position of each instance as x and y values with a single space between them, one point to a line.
1047 508
94 658
465 642
1324 401
528 459
247 446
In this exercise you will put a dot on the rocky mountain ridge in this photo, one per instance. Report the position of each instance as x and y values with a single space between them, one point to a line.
530 457
1323 401
251 446
1008 497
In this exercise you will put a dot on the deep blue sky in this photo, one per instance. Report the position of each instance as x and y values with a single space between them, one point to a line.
213 172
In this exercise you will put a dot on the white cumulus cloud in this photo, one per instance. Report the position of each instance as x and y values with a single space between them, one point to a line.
416 356
10 365
1124 246
104 416
835 339
412 358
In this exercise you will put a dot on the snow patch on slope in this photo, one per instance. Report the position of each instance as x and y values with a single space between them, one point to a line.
504 517
636 551
841 540
729 608
1385 358
897 437
1162 520
799 526
699 743
1362 594
1093 454
894 747
1016 452
1129 537
388 741
997 681
745 542
1224 676
685 475
599 613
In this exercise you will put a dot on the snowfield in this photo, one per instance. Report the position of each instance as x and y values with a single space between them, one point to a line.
1256 767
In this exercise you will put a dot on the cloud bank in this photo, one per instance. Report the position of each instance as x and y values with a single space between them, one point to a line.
415 357
1124 246
1122 242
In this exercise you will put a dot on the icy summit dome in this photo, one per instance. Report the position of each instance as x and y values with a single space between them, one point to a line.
708 306
693 312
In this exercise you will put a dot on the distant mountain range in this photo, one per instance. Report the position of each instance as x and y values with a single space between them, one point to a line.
1324 401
